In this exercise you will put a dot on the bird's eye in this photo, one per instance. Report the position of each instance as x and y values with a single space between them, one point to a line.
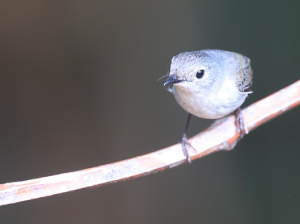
200 74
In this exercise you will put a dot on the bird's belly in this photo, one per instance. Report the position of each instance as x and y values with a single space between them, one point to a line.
210 106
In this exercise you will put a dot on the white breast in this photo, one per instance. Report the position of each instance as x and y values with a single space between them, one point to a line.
211 104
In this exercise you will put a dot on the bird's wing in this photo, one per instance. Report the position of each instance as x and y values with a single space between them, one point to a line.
245 75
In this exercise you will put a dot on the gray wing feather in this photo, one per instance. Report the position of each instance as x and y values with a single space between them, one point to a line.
245 77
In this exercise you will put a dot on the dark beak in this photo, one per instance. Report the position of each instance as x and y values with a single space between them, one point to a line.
172 80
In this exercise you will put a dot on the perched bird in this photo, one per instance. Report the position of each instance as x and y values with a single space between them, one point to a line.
210 84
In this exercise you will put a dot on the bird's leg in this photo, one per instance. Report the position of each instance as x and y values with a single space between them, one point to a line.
239 123
184 141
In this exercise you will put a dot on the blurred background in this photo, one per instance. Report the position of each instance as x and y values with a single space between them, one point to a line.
78 88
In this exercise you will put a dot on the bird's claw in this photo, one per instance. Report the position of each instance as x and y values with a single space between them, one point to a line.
185 144
239 123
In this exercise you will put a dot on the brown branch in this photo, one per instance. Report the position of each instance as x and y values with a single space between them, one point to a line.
221 135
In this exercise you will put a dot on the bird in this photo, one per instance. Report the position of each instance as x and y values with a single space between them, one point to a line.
210 84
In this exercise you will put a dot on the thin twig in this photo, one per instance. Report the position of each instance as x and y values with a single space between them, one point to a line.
221 135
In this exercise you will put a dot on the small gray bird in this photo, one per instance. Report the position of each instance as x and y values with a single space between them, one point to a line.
210 84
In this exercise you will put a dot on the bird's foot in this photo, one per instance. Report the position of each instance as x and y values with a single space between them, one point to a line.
239 123
185 145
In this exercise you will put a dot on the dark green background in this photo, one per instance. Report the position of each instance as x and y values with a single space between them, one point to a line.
78 89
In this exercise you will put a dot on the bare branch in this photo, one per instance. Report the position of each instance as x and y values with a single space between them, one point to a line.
221 135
